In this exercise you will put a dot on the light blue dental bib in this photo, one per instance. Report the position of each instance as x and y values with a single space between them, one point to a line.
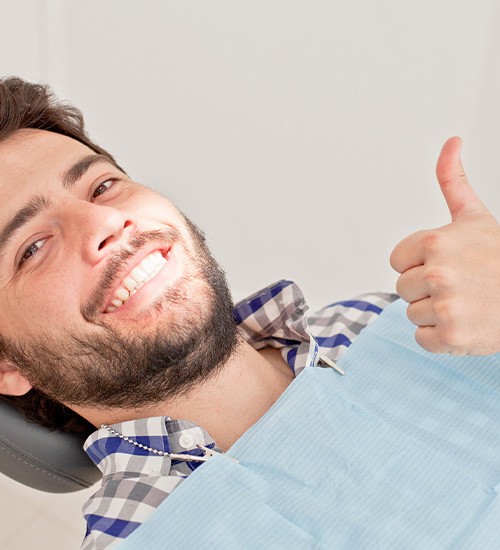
401 452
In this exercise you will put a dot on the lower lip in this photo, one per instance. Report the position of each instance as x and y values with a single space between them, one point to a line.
153 289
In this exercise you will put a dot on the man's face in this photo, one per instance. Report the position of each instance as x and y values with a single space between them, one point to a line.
104 285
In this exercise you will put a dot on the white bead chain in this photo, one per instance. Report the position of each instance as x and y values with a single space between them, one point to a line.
173 456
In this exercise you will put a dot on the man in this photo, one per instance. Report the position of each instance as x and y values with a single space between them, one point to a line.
115 315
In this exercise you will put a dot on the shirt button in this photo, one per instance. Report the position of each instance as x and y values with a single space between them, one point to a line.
186 441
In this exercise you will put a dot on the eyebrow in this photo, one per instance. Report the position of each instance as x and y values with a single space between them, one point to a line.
75 172
40 203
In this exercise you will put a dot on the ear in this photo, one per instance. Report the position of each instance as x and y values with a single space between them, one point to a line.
12 382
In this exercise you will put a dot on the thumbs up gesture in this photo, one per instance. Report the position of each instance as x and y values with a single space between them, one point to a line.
450 276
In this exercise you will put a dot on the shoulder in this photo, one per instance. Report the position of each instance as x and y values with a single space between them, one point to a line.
123 503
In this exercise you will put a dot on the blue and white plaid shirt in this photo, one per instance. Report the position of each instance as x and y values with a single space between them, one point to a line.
136 481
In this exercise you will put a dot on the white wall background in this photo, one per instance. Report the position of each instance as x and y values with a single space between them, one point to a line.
301 135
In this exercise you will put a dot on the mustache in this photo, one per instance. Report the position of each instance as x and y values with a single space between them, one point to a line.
116 259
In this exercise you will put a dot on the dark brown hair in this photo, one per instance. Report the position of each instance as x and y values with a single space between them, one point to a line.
27 105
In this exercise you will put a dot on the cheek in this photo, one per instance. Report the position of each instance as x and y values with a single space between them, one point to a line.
151 205
46 308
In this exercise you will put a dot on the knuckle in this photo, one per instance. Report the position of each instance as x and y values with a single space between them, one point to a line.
444 337
436 277
450 337
442 310
445 312
422 338
449 328
432 242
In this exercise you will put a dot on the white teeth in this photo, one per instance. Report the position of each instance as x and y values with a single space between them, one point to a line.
122 294
139 274
148 268
148 264
129 283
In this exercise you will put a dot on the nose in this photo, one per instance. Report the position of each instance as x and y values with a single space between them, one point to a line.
101 230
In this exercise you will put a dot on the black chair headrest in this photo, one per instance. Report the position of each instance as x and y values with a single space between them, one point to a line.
51 461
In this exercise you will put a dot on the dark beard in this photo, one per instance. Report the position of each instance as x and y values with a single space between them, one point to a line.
114 370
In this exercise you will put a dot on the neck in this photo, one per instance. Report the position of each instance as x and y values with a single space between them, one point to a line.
226 404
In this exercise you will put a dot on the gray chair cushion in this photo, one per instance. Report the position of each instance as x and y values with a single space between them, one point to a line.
47 460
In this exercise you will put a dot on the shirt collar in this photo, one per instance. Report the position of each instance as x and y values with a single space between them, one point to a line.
273 316
277 317
123 446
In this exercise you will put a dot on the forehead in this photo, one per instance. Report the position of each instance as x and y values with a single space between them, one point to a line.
31 159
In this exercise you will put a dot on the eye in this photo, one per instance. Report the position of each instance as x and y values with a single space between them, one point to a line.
32 249
102 188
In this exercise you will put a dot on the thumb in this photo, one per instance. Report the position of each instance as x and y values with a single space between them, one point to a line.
458 192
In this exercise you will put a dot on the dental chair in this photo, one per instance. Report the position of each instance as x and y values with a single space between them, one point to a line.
51 461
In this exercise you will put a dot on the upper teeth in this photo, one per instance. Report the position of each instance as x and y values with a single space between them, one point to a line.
143 272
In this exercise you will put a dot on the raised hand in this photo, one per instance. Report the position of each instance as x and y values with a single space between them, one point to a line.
451 275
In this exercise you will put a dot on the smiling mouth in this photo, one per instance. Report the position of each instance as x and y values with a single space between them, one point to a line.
146 270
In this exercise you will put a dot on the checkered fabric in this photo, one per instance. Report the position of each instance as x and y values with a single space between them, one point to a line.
136 481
